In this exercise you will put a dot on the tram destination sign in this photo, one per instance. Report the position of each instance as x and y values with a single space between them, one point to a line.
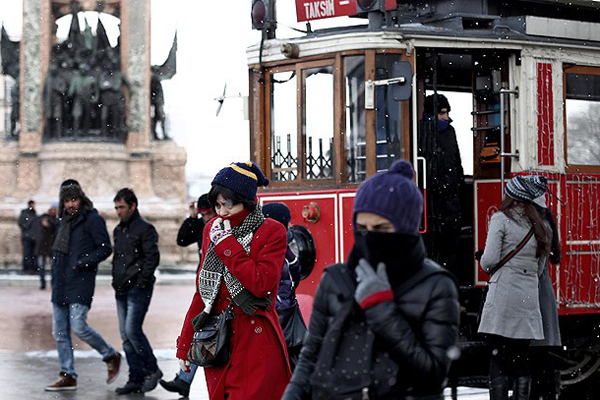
308 10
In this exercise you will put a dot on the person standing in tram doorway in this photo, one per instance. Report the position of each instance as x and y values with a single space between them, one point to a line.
516 253
242 261
445 177
384 325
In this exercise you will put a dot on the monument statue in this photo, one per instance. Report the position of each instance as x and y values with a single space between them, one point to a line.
10 51
157 99
84 95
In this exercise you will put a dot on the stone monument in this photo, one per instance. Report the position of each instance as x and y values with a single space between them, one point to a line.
85 114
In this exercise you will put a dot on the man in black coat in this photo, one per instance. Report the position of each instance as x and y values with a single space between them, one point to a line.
384 324
26 223
445 177
135 259
82 242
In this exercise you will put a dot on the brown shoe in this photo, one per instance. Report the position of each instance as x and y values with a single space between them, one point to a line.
113 363
64 382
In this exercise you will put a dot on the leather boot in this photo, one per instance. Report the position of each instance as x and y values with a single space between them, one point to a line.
113 365
499 388
522 388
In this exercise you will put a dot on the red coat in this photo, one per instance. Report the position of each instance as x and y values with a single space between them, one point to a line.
258 367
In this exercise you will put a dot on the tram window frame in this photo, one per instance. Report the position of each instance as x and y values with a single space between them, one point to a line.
261 117
570 69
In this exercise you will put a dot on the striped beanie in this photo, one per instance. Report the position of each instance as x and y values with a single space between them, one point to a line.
392 194
526 188
243 178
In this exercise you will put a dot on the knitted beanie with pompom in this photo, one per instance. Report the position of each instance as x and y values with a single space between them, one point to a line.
392 194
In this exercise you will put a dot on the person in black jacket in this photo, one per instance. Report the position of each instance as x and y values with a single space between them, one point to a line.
445 177
395 298
191 232
135 259
192 227
81 243
28 234
46 233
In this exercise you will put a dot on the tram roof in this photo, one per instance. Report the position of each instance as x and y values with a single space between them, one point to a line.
552 23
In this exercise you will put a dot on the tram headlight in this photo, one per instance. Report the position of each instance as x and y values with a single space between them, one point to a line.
370 5
263 14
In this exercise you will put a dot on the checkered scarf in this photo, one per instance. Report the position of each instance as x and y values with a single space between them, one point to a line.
213 269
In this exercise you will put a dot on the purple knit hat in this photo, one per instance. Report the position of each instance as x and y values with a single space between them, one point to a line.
392 194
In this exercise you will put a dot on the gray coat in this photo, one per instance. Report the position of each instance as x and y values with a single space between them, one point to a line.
548 308
512 306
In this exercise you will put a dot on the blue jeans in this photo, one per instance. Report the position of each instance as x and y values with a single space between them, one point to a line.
131 308
74 316
188 377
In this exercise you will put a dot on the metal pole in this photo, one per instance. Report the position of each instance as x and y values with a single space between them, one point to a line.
503 154
501 145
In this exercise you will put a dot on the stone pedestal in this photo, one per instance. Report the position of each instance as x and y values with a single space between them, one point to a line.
34 169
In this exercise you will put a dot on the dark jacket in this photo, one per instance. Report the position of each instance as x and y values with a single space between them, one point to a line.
45 235
136 254
74 274
26 223
190 232
290 278
444 168
417 328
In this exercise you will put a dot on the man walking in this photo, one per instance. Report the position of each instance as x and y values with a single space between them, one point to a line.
135 260
26 219
82 242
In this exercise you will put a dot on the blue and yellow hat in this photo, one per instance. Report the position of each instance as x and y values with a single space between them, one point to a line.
243 178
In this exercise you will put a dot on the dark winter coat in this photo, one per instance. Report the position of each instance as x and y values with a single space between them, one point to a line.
418 329
190 232
444 168
26 223
45 235
290 278
74 274
136 254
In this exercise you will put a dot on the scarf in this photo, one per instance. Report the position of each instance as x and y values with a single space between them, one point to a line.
213 269
61 243
402 254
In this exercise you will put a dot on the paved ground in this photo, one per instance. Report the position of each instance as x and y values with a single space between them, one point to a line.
28 359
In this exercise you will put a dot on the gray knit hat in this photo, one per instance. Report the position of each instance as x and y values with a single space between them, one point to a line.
526 188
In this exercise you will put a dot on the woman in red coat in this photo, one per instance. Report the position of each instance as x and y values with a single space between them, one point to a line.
242 259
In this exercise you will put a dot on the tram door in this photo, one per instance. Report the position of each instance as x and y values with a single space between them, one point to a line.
471 82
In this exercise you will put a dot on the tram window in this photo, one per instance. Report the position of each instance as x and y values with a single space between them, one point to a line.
388 116
356 155
582 110
284 134
318 122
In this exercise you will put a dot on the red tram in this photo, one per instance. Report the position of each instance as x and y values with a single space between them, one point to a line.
333 107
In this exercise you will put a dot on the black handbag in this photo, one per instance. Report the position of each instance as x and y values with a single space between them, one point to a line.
292 324
211 344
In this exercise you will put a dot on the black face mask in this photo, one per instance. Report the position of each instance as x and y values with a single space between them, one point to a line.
401 253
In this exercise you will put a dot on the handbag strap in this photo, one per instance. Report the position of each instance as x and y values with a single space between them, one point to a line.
510 255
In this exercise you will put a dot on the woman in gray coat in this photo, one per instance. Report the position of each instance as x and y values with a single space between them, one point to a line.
511 315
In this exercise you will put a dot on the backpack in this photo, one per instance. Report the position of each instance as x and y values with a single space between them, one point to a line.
350 366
